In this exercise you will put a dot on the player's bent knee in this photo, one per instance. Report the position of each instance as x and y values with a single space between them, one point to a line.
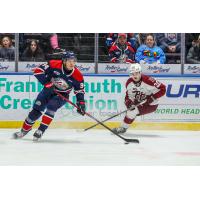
36 112
131 114
50 112
39 106
33 115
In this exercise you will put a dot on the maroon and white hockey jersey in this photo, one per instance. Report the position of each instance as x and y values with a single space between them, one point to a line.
138 92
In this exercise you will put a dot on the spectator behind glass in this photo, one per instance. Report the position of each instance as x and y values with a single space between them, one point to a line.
51 42
141 37
131 39
120 51
193 56
190 40
149 52
169 42
7 51
33 52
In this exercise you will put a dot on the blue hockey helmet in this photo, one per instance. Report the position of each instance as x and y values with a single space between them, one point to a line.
68 55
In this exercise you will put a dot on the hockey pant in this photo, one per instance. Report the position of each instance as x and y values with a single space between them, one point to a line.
140 110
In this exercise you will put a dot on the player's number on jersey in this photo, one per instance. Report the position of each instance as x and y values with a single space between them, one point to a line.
81 85
157 84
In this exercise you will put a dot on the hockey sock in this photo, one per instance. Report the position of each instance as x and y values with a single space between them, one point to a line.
130 117
30 120
46 120
126 123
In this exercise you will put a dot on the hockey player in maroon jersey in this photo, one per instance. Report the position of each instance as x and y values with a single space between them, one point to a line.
142 94
61 76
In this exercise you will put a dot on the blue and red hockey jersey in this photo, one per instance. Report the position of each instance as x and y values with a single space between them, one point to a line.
63 80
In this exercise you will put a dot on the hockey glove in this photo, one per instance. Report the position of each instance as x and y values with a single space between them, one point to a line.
130 104
81 109
49 88
49 85
149 99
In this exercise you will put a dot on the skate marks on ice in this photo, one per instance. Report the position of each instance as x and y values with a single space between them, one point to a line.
141 135
53 141
71 138
99 147
47 137
188 153
127 134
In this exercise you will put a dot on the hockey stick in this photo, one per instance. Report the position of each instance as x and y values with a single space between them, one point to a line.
113 116
106 120
92 117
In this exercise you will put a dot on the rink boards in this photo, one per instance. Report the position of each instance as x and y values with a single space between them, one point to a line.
178 109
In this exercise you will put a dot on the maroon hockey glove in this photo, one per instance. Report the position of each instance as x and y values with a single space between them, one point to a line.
130 104
81 105
149 99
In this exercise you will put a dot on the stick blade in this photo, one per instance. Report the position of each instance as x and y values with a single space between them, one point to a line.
132 141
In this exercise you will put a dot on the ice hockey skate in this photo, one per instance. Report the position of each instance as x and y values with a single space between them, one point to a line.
119 130
19 134
37 135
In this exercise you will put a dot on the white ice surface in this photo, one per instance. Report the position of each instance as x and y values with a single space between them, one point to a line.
99 147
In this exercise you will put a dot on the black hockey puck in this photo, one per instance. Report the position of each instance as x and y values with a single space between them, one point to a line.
126 143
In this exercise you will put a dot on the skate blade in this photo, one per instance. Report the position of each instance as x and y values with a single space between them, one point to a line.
16 137
117 133
35 139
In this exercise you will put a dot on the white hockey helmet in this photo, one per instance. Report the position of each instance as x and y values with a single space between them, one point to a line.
136 67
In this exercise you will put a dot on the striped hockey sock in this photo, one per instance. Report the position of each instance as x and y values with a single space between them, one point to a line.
46 120
30 120
27 125
127 121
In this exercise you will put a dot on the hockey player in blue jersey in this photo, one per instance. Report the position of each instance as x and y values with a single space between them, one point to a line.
58 75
